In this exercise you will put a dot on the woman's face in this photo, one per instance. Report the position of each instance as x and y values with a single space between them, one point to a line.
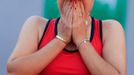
86 3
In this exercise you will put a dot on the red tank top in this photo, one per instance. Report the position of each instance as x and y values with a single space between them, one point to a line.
70 63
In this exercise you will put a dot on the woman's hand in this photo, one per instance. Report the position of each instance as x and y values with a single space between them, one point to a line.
79 27
65 29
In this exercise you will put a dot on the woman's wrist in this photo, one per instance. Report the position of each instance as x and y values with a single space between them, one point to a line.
84 41
61 39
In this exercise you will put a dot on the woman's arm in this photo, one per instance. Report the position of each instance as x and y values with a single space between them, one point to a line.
114 52
26 60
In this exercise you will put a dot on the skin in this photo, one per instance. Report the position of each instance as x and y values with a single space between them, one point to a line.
70 26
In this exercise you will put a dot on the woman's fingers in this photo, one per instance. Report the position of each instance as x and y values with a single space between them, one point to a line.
66 5
77 14
64 9
71 16
73 12
68 13
82 8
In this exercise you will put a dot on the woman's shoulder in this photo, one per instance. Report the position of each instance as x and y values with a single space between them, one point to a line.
38 23
34 25
36 20
112 25
111 28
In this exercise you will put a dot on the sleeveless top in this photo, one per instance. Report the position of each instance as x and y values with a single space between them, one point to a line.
70 62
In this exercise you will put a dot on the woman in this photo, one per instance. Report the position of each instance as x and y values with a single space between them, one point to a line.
74 44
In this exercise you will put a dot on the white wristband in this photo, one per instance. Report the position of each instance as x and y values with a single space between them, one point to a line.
60 38
83 41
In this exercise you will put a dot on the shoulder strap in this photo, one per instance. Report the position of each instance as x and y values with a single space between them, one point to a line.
101 29
45 29
98 28
92 29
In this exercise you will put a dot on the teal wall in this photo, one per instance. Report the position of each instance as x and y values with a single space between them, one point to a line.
110 9
50 9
